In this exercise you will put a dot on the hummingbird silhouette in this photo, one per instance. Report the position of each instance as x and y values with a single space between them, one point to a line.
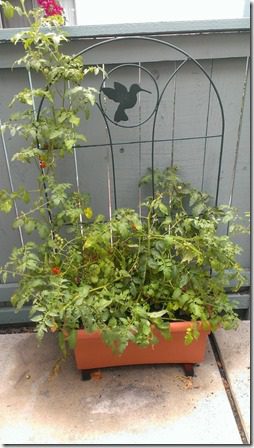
126 99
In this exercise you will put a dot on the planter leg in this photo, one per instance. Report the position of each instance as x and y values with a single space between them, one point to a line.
86 375
188 369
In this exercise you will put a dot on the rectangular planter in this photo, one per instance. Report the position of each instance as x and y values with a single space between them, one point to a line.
91 351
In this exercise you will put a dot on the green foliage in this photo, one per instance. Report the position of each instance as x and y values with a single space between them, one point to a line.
7 199
129 275
55 131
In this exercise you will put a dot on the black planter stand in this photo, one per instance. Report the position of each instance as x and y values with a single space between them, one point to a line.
188 369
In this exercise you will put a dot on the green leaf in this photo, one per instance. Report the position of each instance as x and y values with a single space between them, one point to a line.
196 310
19 10
188 256
140 311
26 196
195 333
198 209
156 314
163 208
105 315
152 263
48 322
6 205
37 318
84 290
206 325
18 223
166 333
112 322
183 299
69 143
4 276
103 303
63 116
29 226
56 39
183 281
177 293
72 338
146 328
193 198
188 338
169 239
74 120
94 279
8 10
43 230
55 134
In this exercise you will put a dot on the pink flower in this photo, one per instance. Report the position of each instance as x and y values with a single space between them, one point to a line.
51 7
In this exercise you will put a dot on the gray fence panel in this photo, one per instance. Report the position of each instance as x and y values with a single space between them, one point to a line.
189 108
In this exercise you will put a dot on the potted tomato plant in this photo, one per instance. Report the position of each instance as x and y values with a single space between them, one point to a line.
136 289
157 278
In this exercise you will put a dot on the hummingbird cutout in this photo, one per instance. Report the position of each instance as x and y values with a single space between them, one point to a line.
126 99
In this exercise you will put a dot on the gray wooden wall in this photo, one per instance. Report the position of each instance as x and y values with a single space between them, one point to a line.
189 110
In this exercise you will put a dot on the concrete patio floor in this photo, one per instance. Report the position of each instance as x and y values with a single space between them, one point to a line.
127 405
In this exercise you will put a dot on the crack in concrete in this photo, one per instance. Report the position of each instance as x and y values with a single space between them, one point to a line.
227 387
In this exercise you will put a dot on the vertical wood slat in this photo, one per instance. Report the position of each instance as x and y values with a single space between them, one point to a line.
173 119
10 180
206 128
110 166
244 89
191 116
242 240
242 182
76 165
228 76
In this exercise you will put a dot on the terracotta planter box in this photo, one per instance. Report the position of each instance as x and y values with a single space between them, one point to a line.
92 353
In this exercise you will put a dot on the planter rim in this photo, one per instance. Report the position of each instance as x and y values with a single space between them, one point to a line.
91 351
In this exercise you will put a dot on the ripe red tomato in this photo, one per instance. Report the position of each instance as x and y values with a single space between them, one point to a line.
56 270
42 164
